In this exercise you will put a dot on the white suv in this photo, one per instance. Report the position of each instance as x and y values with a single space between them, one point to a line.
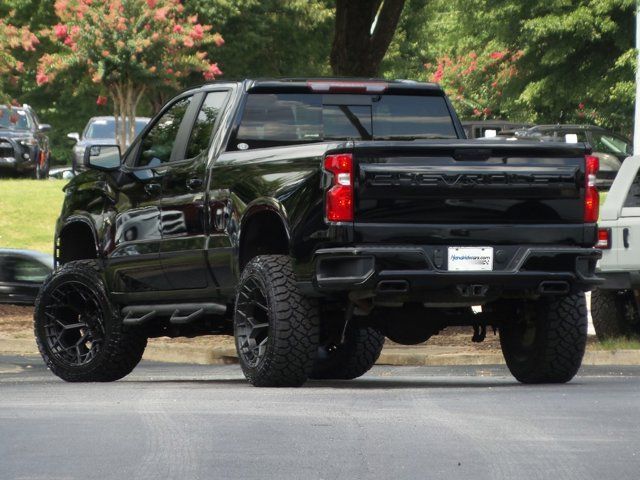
615 305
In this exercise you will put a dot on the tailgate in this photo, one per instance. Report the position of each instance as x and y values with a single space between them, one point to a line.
405 185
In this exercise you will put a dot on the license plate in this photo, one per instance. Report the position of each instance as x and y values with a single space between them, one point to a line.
470 259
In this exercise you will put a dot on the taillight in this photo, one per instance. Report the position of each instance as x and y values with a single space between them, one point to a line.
340 86
604 238
591 195
339 199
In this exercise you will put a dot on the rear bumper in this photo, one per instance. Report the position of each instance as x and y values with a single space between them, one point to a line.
619 280
420 272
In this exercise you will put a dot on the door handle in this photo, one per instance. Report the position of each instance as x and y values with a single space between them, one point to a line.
625 237
194 183
152 188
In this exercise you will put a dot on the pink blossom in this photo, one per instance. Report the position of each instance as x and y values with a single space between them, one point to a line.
439 73
477 112
101 100
211 72
161 14
197 32
581 106
169 70
41 78
19 67
188 42
497 55
219 41
60 31
177 28
152 3
486 111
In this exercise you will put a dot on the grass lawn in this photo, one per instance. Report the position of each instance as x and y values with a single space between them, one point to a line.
28 213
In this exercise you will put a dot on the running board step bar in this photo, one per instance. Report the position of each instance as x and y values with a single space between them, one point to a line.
179 313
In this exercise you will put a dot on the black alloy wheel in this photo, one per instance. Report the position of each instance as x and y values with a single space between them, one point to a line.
252 322
74 329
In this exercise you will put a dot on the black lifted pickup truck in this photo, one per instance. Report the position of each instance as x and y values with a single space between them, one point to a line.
311 219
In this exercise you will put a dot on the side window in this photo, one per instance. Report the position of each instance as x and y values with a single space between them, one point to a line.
23 270
633 197
157 144
204 124
610 144
30 271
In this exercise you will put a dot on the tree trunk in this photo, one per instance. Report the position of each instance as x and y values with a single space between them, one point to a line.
126 97
359 46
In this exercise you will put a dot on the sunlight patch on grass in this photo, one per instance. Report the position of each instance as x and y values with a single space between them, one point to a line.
28 213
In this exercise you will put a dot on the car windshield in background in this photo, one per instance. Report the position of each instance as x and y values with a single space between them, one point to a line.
106 128
14 118
284 119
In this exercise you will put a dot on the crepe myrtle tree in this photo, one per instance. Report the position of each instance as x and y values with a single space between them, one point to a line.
129 48
11 39
476 82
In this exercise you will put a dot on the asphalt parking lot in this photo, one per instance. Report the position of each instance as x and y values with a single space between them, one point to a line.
173 421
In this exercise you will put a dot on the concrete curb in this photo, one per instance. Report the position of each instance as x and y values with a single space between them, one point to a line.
221 355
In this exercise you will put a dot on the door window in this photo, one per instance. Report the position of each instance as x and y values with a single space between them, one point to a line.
610 144
16 269
157 145
205 122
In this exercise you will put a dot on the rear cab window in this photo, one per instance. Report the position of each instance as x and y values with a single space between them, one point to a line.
279 119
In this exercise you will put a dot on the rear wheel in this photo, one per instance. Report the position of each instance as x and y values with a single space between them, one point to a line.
614 313
275 326
79 332
544 341
350 359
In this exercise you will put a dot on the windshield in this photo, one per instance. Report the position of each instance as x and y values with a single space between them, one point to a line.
106 128
14 118
285 118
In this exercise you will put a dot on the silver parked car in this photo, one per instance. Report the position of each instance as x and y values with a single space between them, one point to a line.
99 131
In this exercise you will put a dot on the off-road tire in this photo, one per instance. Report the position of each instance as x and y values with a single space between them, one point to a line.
614 314
544 341
121 348
353 358
292 318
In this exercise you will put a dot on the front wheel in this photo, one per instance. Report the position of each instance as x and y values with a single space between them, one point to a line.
275 326
78 330
544 341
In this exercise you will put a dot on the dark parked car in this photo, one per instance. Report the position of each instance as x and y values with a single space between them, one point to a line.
21 274
611 148
24 145
312 218
98 131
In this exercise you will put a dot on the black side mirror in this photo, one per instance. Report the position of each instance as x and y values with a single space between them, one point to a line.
44 127
102 157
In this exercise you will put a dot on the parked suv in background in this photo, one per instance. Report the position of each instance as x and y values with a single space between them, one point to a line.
611 148
24 145
615 305
99 131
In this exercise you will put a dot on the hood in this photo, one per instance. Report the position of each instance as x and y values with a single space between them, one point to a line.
10 133
96 141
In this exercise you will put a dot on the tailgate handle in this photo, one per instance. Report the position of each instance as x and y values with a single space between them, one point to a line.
478 154
625 237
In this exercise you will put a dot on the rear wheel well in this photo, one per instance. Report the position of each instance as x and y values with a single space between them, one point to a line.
263 234
76 242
